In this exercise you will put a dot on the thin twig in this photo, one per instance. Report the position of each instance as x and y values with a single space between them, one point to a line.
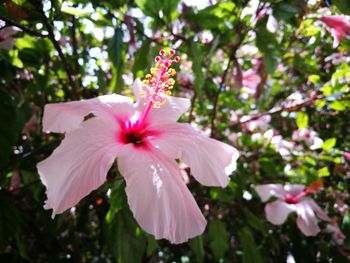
66 66
193 101
224 76
282 108
20 26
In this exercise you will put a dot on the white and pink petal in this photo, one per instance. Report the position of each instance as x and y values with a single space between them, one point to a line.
306 219
65 117
211 161
317 210
266 191
277 212
79 165
158 196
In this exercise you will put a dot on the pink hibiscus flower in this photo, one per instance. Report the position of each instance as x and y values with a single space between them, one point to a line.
346 156
6 37
292 198
339 25
145 139
337 236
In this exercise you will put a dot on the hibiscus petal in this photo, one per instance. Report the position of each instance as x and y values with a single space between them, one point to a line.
169 112
158 196
211 161
294 189
79 165
65 117
278 211
306 220
266 191
314 206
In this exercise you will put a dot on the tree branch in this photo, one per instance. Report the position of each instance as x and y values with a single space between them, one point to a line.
69 72
224 76
20 26
282 108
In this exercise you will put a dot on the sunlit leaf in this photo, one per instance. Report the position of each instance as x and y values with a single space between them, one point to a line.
218 238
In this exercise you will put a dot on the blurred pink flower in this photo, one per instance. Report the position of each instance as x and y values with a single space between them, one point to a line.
15 182
339 26
281 145
6 37
185 78
346 156
250 81
292 198
336 58
145 138
309 137
252 78
337 236
249 123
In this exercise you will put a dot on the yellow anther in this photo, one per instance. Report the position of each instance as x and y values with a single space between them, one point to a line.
172 71
157 84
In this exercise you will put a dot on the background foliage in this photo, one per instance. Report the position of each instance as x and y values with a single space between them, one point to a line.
69 50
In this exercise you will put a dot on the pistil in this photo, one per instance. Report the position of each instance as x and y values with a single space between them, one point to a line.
158 84
315 186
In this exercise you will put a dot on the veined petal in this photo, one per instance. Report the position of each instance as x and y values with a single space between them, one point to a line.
158 196
79 165
265 191
306 220
65 117
169 112
315 207
278 211
211 161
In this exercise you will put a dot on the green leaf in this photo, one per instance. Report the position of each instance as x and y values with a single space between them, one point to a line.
323 172
125 239
72 11
196 244
9 220
116 199
197 66
254 221
345 226
8 126
320 103
338 105
218 238
315 79
268 45
169 7
212 17
284 11
251 253
302 120
152 244
329 144
149 7
141 59
343 6
116 55
115 47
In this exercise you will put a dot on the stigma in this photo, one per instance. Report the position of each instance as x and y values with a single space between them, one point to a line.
159 83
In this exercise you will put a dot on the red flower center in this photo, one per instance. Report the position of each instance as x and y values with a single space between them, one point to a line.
133 136
290 199
136 135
